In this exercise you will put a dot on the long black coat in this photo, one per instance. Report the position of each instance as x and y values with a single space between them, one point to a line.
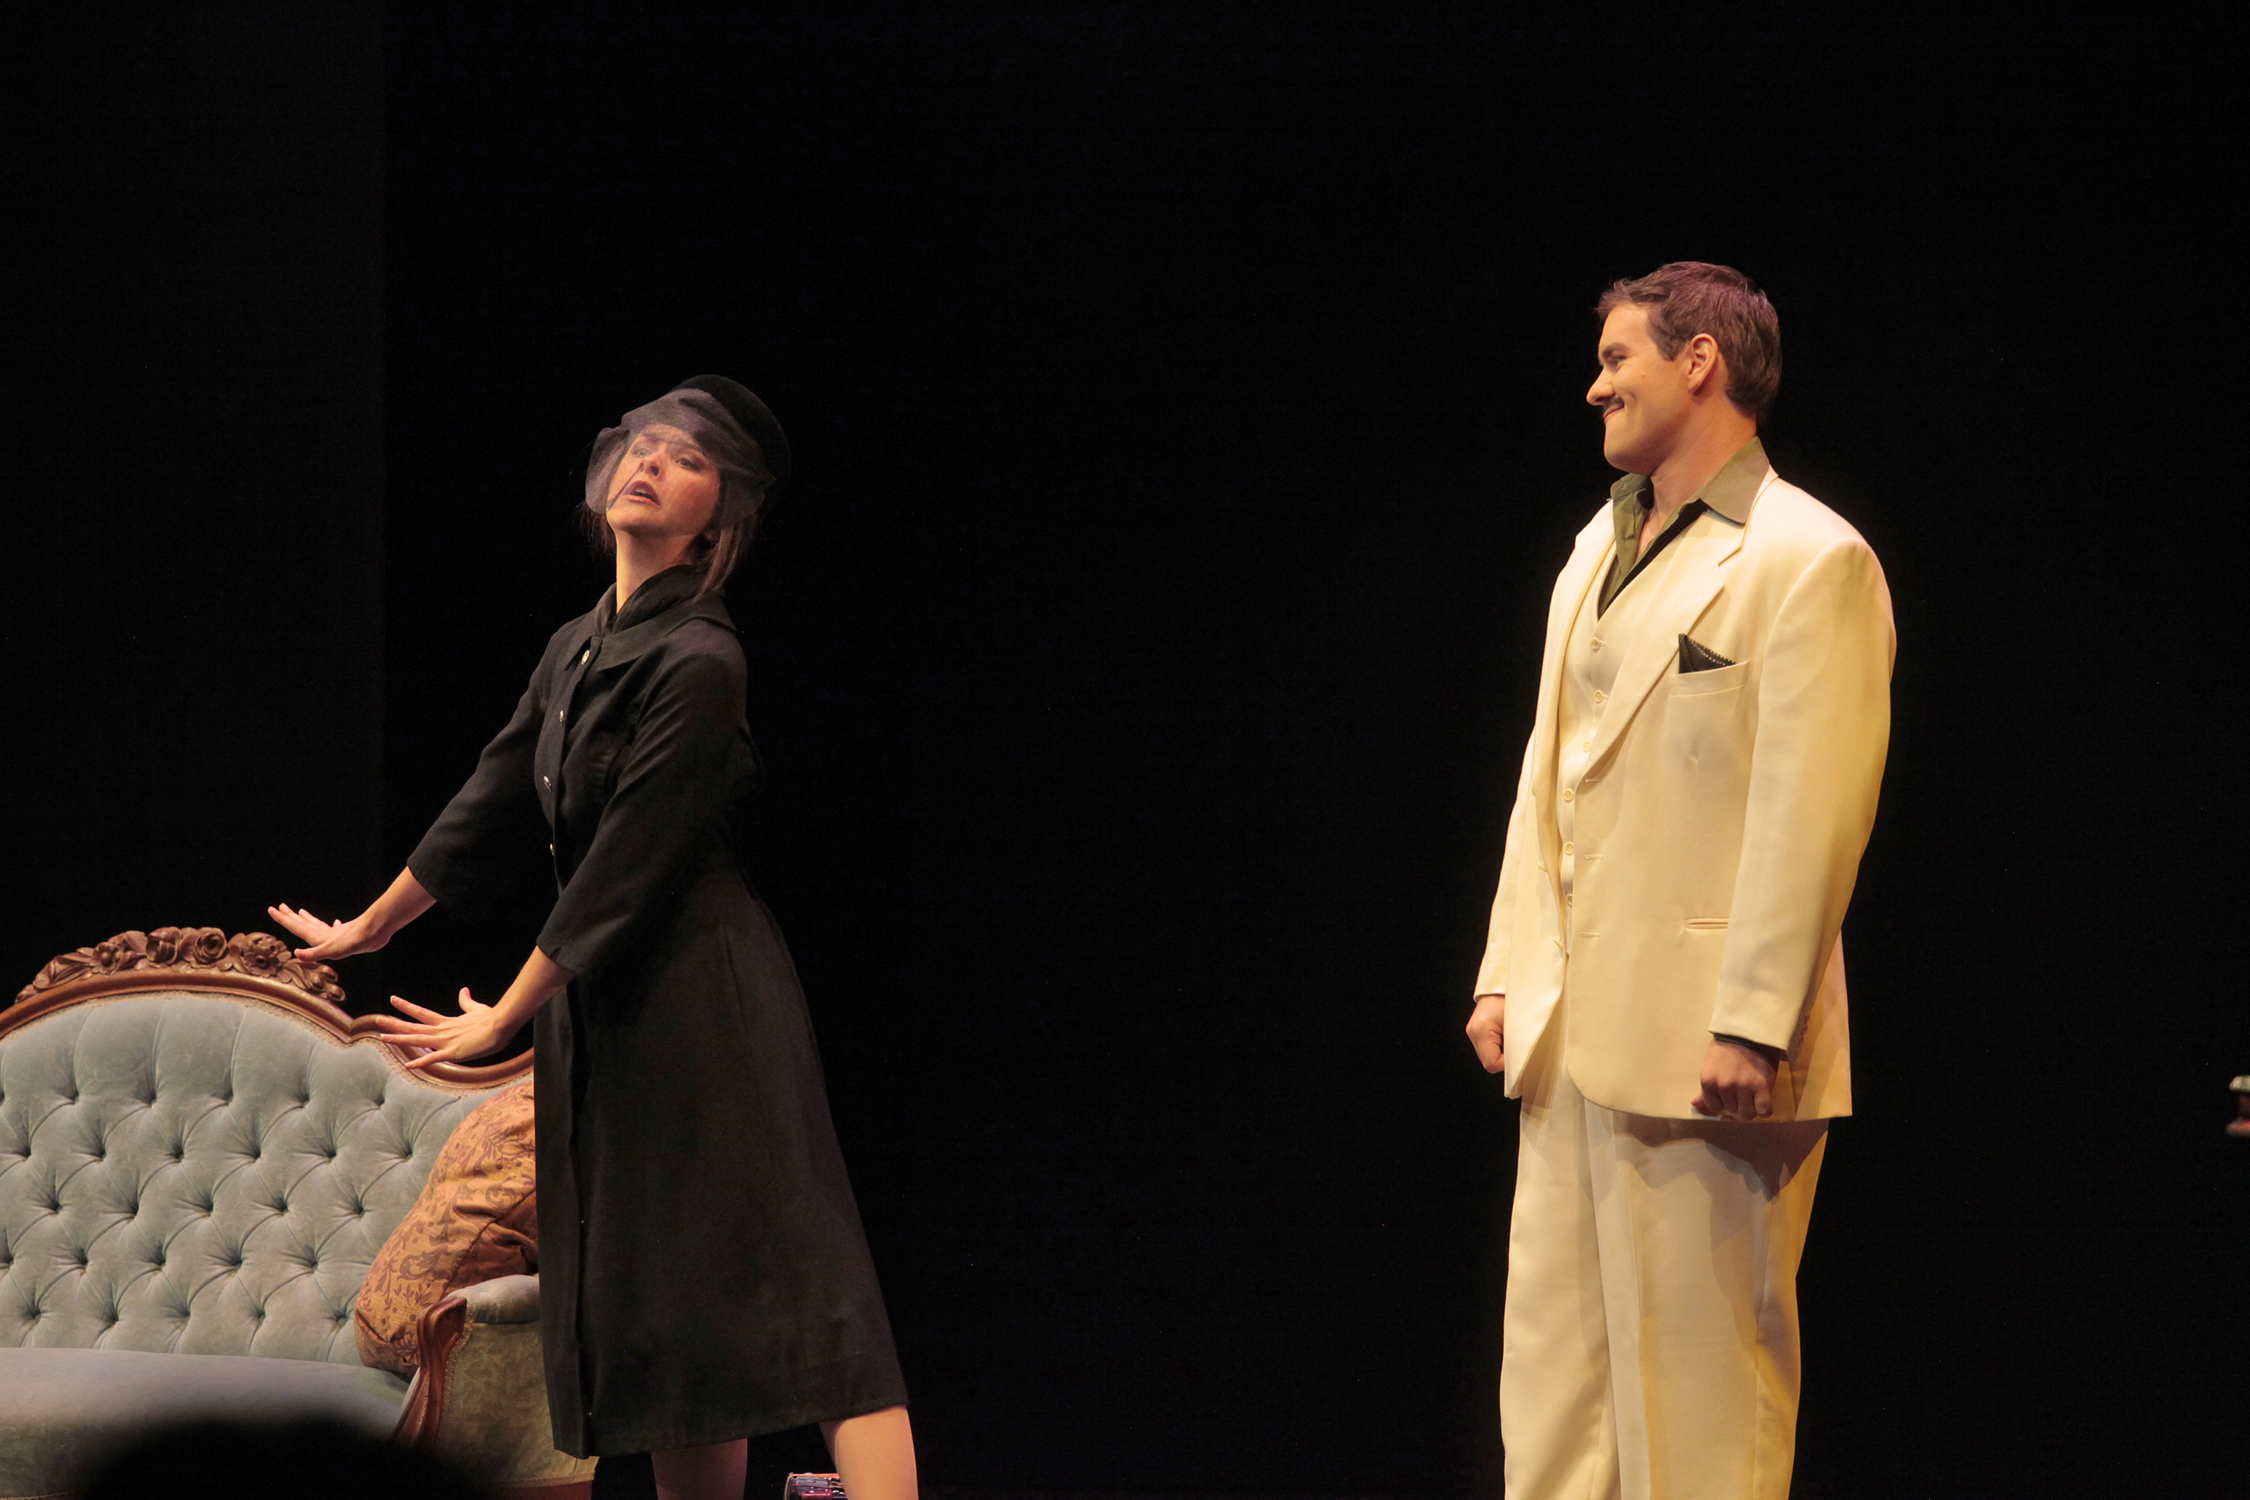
703 1271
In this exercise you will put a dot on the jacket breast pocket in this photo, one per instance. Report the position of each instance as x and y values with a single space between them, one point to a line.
1709 722
1713 680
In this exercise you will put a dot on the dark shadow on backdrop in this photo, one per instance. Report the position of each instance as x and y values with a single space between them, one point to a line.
195 409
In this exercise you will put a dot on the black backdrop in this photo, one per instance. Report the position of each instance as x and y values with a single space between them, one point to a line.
1187 410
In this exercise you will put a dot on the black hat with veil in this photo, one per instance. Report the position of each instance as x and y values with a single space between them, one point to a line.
740 436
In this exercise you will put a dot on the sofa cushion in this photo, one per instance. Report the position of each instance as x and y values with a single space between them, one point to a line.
70 1409
477 1219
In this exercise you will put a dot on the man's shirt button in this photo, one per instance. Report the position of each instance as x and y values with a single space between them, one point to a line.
1568 795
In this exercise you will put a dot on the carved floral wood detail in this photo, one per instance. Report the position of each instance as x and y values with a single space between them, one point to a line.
259 955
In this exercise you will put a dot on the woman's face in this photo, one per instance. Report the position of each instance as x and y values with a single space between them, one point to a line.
664 486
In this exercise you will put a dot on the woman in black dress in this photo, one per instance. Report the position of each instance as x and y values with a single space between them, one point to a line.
703 1274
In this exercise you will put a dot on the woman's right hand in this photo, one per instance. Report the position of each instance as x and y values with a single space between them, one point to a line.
329 940
371 929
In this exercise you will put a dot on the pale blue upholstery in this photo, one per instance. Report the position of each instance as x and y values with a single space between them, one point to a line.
190 1173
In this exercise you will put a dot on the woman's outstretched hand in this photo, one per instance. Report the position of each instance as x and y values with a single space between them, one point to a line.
437 1038
371 929
328 940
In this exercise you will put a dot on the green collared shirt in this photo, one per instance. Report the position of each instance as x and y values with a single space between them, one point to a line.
1730 493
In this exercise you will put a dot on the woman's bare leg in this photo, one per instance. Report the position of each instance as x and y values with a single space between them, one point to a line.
711 1472
874 1455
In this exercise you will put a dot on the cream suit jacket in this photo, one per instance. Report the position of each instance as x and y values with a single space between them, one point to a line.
1719 822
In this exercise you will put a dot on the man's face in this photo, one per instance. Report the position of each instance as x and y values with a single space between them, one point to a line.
1644 397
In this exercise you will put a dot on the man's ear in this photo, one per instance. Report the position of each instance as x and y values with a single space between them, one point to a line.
1703 364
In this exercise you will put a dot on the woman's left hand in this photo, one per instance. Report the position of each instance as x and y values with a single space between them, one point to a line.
478 1030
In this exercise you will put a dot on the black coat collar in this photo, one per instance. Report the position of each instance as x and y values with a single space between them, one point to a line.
658 607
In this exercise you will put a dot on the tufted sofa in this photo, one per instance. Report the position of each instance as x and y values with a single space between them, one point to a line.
200 1153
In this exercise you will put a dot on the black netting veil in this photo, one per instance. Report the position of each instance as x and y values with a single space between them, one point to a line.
705 422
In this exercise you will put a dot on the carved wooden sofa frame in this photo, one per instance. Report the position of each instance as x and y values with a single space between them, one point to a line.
149 1247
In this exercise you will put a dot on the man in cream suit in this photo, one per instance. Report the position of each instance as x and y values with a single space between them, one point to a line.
1664 981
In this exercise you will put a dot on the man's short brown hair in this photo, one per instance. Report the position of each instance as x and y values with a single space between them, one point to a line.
1689 297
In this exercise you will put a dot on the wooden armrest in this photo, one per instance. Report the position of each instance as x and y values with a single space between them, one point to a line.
479 1399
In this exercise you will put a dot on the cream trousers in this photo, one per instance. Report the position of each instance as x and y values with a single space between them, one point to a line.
1650 1340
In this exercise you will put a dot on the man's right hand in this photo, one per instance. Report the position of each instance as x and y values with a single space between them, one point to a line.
1488 1032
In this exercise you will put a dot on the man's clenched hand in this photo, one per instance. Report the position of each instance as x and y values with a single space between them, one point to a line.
1488 1031
1737 1082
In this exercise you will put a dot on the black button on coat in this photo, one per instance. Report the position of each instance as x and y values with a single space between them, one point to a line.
703 1273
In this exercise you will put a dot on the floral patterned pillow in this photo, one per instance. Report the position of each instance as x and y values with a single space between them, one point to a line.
477 1218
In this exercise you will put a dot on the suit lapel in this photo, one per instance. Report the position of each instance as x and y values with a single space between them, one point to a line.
1694 578
1571 590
